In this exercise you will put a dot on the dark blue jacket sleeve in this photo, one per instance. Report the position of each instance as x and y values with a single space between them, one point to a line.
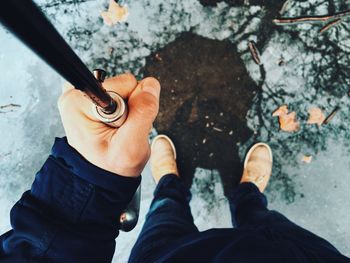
71 213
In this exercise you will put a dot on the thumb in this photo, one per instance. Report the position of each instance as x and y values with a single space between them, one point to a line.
144 105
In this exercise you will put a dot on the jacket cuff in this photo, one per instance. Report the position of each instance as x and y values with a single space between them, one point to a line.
78 165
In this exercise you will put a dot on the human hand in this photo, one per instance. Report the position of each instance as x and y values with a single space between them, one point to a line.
124 150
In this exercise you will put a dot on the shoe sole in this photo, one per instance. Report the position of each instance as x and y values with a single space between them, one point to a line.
162 136
253 148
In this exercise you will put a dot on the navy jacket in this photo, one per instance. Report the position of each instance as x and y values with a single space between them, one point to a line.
72 211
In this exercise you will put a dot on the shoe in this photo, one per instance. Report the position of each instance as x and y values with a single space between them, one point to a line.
258 166
163 157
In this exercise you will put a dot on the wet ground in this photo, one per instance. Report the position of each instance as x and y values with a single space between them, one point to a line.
206 90
216 101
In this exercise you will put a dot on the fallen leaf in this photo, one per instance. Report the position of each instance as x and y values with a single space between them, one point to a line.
286 120
115 13
282 110
316 116
307 158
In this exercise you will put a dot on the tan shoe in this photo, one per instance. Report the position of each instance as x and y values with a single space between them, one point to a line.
258 166
163 157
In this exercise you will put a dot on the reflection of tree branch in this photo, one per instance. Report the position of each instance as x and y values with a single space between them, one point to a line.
321 62
329 25
59 3
273 95
310 19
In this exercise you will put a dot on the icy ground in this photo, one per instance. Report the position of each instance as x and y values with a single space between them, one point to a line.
314 73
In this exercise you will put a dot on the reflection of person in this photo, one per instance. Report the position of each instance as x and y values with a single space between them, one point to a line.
71 213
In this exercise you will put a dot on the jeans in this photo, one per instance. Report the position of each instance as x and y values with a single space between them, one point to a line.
170 219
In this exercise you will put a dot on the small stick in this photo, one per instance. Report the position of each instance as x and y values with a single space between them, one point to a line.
254 52
9 105
284 7
331 116
311 19
329 25
217 129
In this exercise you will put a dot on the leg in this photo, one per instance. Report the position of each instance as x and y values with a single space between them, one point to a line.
249 207
169 217
248 204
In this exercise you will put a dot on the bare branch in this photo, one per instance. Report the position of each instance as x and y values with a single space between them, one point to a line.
329 25
311 19
9 106
254 52
284 7
331 116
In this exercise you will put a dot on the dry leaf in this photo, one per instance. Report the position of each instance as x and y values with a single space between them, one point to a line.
282 110
116 13
307 158
286 120
316 116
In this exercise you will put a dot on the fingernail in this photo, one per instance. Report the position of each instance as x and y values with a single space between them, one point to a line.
151 86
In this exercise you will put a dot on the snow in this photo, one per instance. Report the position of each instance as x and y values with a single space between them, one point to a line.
314 74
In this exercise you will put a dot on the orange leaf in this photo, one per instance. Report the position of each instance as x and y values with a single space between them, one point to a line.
288 122
115 13
316 116
282 110
307 158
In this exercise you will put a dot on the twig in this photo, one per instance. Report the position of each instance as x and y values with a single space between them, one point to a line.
217 129
254 52
284 6
329 25
9 105
311 19
331 116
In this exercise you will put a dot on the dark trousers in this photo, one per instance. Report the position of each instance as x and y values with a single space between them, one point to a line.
170 218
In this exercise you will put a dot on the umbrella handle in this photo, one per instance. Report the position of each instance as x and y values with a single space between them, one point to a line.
129 217
118 117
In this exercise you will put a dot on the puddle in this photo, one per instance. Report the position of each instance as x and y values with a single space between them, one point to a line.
204 48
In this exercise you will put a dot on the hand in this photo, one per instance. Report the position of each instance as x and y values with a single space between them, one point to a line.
123 150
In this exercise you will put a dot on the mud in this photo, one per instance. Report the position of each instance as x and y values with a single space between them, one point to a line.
206 93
